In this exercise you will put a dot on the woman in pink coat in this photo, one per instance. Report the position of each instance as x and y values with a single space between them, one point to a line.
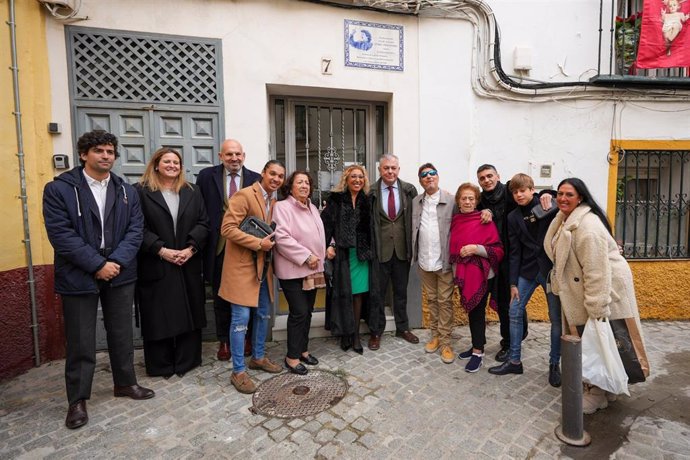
298 263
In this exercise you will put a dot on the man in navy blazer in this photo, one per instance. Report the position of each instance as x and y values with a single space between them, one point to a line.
217 184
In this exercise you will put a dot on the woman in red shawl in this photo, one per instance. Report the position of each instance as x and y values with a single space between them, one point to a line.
475 251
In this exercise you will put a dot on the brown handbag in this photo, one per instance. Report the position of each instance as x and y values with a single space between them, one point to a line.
630 347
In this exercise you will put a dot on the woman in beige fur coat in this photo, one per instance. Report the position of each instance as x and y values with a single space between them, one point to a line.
589 274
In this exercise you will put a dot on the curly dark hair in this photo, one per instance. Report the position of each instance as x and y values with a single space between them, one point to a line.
287 186
95 138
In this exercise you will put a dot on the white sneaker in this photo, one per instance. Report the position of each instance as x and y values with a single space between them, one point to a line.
593 399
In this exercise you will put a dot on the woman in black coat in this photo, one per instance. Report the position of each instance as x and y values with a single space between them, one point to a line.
348 225
170 286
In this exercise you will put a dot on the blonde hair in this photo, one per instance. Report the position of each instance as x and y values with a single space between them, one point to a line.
342 185
151 177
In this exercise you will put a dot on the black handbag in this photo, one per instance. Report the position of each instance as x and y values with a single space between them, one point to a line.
257 227
540 213
260 229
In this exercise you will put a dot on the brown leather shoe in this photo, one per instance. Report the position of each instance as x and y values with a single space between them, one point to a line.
247 346
223 351
243 383
76 415
134 392
407 335
374 342
265 364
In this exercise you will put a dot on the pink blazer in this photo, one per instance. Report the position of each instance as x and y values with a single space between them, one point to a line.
299 233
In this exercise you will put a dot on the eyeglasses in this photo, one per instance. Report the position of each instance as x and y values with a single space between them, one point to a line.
431 172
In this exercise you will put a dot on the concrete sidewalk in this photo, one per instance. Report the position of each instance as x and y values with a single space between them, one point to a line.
402 403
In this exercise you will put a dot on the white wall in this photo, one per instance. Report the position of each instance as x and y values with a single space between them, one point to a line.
434 113
277 42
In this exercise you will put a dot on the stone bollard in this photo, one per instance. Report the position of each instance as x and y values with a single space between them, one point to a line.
571 430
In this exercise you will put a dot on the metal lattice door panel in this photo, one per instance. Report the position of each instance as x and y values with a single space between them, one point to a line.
132 130
194 135
140 132
126 66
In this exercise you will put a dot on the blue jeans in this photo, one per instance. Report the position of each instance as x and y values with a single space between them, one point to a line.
517 314
238 329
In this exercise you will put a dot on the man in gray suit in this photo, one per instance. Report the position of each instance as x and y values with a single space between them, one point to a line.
392 214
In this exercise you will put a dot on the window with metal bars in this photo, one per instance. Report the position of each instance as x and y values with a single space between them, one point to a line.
652 204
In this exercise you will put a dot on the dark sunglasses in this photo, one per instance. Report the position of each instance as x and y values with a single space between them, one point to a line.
431 172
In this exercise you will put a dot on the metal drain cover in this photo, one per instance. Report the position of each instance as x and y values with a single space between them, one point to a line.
289 395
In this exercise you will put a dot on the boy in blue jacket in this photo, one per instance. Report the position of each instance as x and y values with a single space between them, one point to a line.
529 268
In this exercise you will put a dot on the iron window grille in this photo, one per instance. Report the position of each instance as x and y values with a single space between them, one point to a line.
652 204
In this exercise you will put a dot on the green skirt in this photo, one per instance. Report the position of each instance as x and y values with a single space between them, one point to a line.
359 273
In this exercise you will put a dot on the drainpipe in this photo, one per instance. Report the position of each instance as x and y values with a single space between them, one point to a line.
22 181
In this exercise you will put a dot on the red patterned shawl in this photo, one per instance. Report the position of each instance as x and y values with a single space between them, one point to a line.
471 273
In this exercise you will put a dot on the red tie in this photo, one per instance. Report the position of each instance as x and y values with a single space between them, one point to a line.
233 185
391 203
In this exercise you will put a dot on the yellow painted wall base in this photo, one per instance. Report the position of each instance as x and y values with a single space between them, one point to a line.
662 288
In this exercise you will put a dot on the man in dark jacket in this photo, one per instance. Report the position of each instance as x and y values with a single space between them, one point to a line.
496 203
217 184
95 225
392 214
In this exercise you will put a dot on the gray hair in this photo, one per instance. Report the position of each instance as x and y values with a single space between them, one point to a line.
389 157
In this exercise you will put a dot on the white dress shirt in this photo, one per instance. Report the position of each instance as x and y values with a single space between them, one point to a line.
99 189
429 254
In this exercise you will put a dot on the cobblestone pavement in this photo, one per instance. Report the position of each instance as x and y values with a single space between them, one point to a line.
401 404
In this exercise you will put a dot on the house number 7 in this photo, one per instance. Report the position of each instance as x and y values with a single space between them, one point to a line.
326 66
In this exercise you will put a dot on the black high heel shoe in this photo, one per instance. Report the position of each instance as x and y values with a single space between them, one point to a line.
299 369
359 350
345 342
309 359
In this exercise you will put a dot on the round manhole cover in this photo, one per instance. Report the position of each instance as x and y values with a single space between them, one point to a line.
290 395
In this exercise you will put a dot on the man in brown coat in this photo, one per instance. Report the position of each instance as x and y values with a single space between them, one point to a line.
244 282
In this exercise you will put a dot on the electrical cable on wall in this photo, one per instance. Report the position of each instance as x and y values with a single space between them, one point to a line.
488 76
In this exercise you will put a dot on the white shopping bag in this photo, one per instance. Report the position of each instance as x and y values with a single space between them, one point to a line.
601 363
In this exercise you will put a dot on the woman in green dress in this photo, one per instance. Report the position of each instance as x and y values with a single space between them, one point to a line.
351 249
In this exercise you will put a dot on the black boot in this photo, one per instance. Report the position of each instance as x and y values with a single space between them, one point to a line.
554 375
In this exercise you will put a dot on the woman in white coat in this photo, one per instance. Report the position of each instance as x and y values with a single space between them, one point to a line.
589 274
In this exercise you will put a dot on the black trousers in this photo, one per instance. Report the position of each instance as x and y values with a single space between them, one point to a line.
301 306
477 319
221 308
398 272
502 284
80 336
173 355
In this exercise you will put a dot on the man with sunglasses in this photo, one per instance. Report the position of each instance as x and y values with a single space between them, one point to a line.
432 213
392 214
